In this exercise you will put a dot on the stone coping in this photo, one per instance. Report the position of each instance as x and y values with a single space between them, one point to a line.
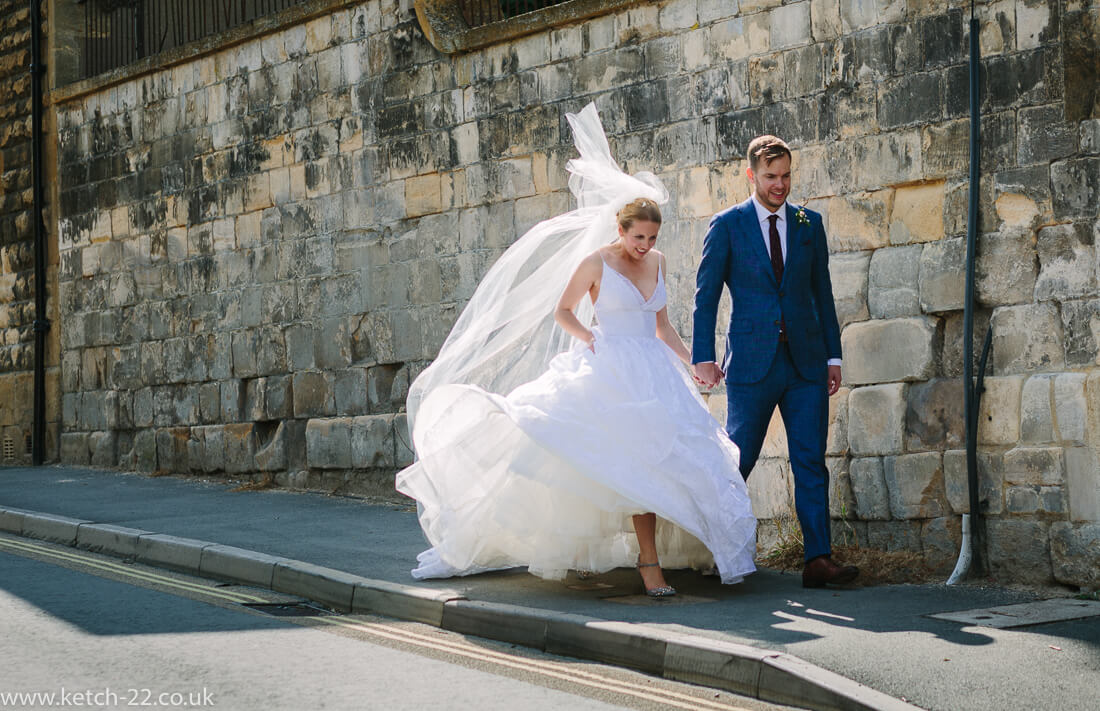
448 32
767 675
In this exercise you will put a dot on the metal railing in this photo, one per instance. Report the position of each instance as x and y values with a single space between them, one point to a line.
118 32
484 12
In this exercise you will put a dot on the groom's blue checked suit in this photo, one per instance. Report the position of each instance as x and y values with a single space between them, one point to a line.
762 370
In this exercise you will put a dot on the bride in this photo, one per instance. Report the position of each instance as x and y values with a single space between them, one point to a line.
545 440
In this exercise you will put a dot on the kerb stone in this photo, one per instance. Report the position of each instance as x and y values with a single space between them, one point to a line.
50 527
230 563
325 585
407 602
110 539
170 551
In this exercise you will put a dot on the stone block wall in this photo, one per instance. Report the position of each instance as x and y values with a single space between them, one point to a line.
262 247
898 269
17 307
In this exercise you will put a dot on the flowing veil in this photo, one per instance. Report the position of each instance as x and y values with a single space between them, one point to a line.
507 335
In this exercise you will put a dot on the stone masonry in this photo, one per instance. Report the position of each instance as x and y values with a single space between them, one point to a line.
261 247
17 295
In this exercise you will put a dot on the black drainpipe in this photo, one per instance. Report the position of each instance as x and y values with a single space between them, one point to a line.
972 392
41 323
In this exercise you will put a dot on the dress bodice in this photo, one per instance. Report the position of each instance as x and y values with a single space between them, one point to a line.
622 310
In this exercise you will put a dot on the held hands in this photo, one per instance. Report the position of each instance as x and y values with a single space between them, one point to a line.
707 374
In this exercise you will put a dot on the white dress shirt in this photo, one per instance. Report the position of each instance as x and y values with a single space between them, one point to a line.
762 215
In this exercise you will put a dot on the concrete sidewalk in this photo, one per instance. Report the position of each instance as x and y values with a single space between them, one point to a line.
767 637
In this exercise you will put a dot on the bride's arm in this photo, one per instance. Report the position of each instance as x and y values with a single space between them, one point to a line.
672 339
584 278
668 334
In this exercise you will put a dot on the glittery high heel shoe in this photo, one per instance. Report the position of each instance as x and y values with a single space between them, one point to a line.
659 591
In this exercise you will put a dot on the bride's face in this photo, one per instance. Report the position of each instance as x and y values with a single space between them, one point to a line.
639 239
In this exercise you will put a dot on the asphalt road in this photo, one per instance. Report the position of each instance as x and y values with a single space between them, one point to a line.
96 632
882 637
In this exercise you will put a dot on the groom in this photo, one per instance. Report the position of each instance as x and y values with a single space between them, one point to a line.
783 343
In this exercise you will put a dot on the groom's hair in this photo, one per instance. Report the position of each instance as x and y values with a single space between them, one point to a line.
766 148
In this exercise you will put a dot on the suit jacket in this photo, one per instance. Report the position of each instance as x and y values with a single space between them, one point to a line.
734 254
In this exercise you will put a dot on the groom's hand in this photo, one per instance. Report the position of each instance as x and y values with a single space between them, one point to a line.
708 373
834 379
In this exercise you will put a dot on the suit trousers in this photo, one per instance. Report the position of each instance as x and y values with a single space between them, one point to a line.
804 407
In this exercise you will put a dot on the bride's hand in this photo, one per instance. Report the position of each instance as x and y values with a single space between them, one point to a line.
707 374
592 342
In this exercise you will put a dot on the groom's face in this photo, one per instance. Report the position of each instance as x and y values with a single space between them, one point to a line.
772 181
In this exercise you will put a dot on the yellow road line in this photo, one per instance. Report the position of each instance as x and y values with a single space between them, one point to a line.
127 571
550 669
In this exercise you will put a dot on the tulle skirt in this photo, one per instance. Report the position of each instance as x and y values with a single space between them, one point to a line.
550 475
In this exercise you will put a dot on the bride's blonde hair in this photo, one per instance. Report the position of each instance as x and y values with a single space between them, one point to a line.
639 209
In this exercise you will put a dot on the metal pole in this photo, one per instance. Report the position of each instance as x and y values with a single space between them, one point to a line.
971 395
41 323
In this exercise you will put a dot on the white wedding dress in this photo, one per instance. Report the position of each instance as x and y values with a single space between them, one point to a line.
549 475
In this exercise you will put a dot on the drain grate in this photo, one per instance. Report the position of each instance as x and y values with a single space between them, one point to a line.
1025 614
641 599
287 609
585 586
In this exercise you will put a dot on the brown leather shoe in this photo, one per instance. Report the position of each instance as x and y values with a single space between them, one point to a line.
822 571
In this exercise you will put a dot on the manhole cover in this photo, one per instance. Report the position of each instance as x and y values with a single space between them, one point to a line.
677 599
287 609
1024 614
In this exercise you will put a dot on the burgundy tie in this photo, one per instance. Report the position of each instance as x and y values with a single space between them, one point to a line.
777 266
776 248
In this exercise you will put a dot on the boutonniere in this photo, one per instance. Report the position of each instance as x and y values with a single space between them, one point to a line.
802 217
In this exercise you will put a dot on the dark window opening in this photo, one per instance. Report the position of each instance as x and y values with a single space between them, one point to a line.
484 12
118 32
